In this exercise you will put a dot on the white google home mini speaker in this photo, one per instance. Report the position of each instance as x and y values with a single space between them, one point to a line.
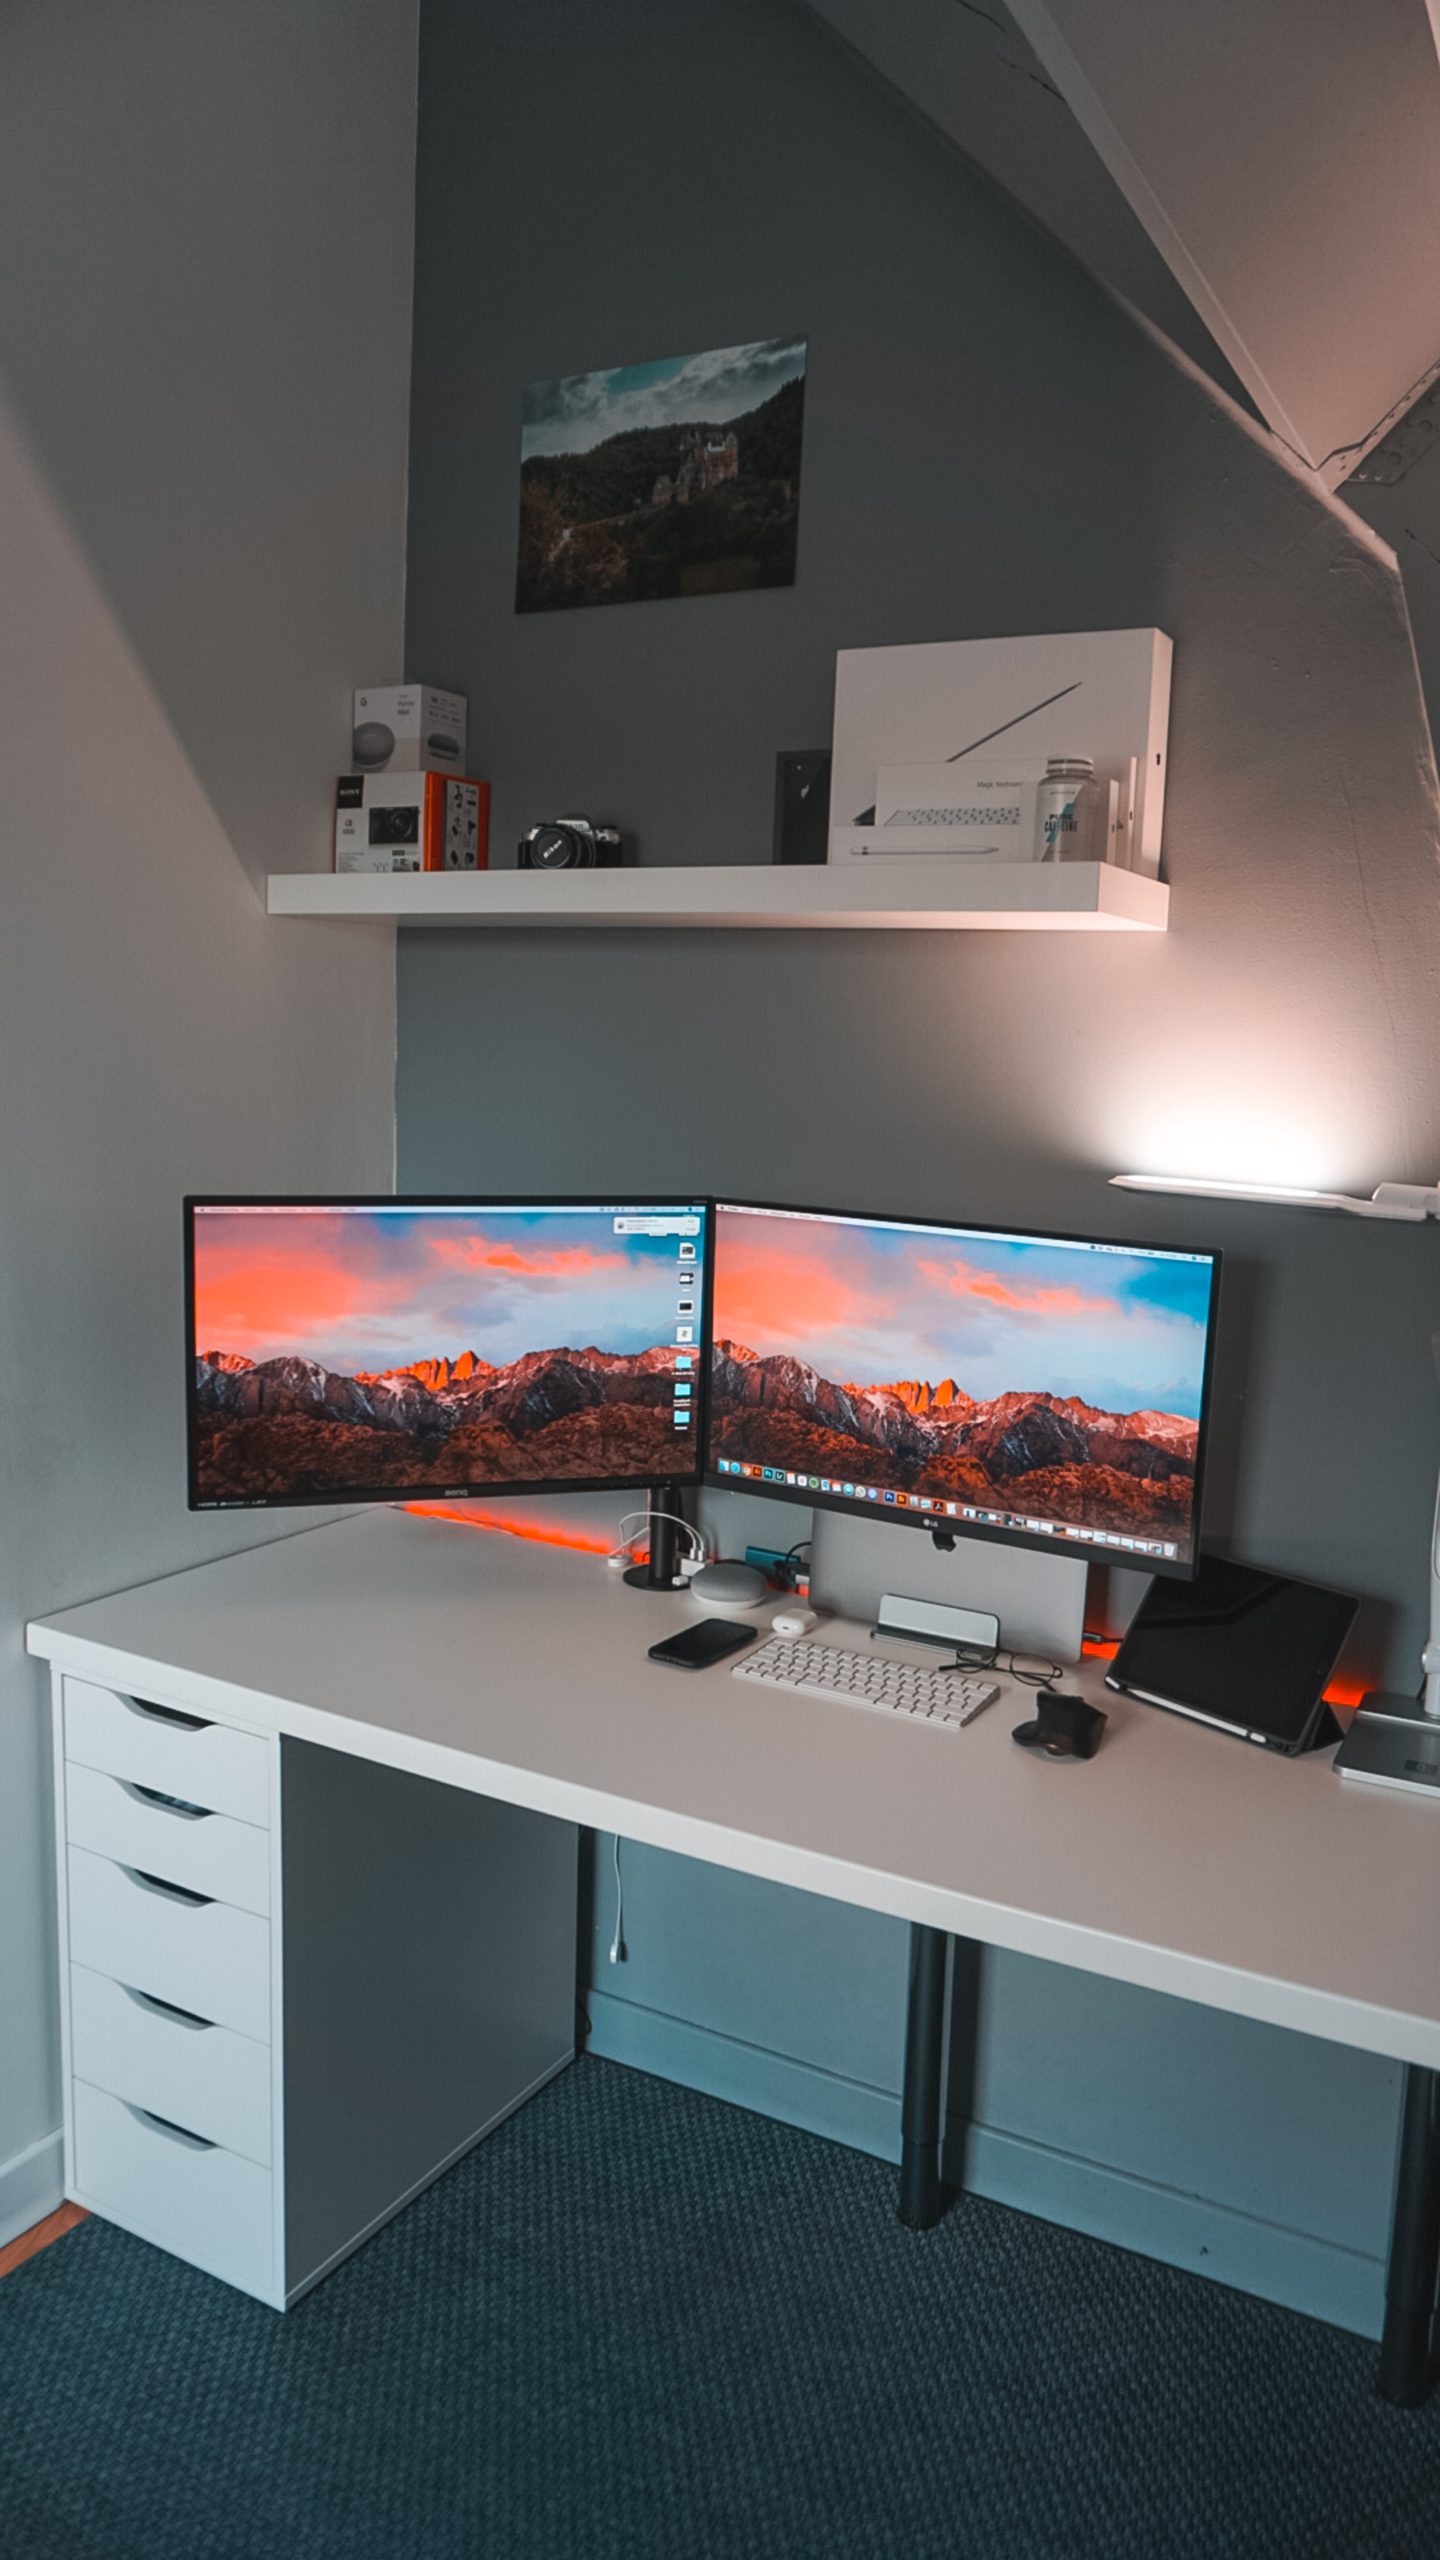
729 1586
408 728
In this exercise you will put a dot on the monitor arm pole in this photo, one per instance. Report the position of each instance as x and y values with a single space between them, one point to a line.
1430 1658
659 1572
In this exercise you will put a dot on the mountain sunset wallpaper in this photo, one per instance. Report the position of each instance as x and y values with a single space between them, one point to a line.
368 1351
1006 1372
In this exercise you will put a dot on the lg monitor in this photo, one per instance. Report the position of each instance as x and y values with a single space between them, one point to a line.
1048 1391
382 1350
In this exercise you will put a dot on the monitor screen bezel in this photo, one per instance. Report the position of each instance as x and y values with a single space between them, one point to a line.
399 1495
1086 1550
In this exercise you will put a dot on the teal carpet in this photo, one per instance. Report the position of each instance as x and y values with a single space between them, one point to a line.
638 2325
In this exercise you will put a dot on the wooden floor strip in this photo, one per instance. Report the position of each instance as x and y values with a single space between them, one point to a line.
39 2236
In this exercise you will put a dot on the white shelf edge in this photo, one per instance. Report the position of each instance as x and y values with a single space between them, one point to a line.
908 896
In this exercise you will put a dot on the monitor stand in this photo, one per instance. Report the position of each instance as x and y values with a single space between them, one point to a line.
1038 1599
660 1571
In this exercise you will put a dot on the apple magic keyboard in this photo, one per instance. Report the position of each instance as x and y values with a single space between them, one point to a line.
916 1693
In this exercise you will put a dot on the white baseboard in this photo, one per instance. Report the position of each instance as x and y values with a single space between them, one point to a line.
31 2185
1296 2269
1299 2270
746 2075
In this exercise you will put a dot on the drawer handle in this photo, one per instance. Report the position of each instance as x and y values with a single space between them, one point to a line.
167 2009
165 1715
158 1802
170 1892
172 2132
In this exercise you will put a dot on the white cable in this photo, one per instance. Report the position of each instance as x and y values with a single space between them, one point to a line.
617 1943
645 1517
698 1547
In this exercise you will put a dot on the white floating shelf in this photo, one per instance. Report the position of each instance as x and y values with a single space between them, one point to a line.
928 895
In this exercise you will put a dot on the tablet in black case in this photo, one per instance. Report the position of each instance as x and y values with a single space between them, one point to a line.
1248 1651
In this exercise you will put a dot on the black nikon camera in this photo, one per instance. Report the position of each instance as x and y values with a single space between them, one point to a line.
569 844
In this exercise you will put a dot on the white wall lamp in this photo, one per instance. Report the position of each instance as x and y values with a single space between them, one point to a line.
1412 1201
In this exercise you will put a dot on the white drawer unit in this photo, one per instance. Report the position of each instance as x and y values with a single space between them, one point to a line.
201 1955
176 2064
163 1836
267 2055
169 2184
167 1748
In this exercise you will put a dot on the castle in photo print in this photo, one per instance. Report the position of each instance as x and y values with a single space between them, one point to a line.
678 478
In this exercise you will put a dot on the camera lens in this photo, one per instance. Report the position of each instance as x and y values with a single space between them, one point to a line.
554 849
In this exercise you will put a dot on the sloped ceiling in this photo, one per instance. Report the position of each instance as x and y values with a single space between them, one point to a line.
1261 178
971 74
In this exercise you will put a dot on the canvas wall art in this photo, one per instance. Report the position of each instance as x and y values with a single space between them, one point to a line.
678 478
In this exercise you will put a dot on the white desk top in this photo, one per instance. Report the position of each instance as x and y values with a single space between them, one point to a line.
1179 1859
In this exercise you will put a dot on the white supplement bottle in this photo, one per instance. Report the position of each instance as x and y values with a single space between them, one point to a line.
1067 805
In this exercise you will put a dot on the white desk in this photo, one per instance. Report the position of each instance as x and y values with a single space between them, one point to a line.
516 1671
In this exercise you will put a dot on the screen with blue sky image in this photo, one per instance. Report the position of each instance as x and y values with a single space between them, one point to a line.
344 1350
1041 1386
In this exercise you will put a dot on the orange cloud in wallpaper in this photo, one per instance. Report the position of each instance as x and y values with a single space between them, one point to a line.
766 1288
964 1281
477 1253
262 1297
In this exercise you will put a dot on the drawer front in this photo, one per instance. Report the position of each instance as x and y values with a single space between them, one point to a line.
202 1956
209 1852
196 2074
206 2204
205 1764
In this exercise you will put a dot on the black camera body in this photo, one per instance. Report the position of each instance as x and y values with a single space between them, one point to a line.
569 844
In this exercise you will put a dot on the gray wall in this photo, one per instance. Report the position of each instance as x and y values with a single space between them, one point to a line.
991 446
204 341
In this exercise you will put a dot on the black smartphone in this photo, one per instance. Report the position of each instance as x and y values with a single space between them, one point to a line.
709 1640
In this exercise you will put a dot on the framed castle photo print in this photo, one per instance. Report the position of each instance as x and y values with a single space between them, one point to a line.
678 478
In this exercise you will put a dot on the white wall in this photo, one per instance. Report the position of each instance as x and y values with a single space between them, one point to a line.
204 349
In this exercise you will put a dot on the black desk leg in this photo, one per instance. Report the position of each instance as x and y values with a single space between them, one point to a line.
1405 2366
921 2197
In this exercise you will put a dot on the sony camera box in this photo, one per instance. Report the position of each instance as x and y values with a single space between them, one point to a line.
408 728
411 822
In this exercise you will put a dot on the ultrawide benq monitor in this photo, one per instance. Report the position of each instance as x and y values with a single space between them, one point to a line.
1049 1391
390 1350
